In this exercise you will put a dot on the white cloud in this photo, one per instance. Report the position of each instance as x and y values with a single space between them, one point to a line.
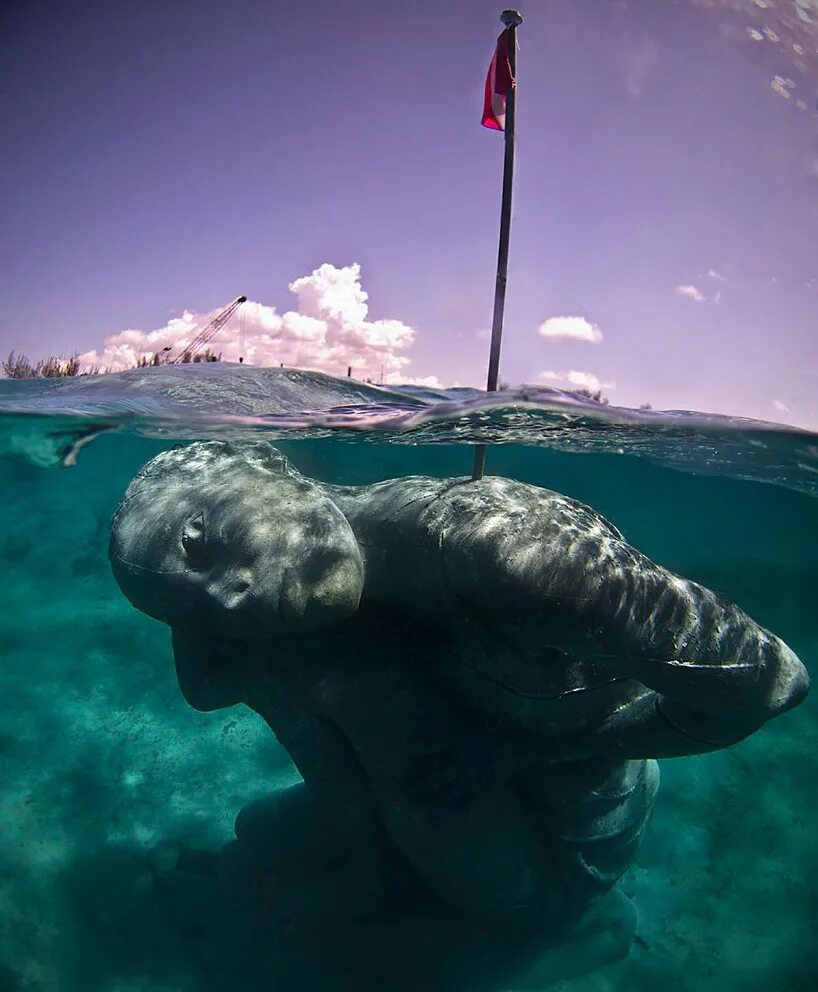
781 406
576 328
578 378
329 331
690 292
712 274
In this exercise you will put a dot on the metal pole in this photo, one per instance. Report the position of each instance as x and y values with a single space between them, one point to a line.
512 19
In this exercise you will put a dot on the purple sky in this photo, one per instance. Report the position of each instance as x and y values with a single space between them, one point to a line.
161 157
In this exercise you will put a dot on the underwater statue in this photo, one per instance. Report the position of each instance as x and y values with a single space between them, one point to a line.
473 680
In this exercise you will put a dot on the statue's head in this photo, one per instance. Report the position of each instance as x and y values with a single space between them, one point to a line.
226 539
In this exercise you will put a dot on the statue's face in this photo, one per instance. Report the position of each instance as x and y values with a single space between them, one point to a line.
221 538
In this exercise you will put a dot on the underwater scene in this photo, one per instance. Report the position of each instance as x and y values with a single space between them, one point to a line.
432 703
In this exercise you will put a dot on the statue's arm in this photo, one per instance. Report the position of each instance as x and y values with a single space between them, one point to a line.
715 676
567 578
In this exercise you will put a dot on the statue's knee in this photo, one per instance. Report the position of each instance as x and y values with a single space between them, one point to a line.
288 863
254 820
286 817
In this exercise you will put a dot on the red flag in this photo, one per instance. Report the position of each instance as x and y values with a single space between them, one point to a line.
498 85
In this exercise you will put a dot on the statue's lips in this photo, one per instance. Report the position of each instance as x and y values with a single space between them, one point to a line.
329 600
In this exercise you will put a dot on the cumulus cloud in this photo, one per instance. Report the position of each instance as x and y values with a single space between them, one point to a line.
690 292
712 274
781 406
577 378
329 330
575 328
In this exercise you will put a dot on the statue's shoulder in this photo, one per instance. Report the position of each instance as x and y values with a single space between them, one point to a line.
495 512
501 506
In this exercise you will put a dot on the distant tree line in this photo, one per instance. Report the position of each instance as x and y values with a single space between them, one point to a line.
597 396
19 366
590 394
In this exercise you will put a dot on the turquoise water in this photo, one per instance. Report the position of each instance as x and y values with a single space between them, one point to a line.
102 760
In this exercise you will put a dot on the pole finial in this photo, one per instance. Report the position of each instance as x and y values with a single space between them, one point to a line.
511 18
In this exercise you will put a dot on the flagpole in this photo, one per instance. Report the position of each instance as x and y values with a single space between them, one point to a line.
512 19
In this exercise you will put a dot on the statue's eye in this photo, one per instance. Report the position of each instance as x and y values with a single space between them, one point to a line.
194 538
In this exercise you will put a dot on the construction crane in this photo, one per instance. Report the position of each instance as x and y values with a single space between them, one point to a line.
208 332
